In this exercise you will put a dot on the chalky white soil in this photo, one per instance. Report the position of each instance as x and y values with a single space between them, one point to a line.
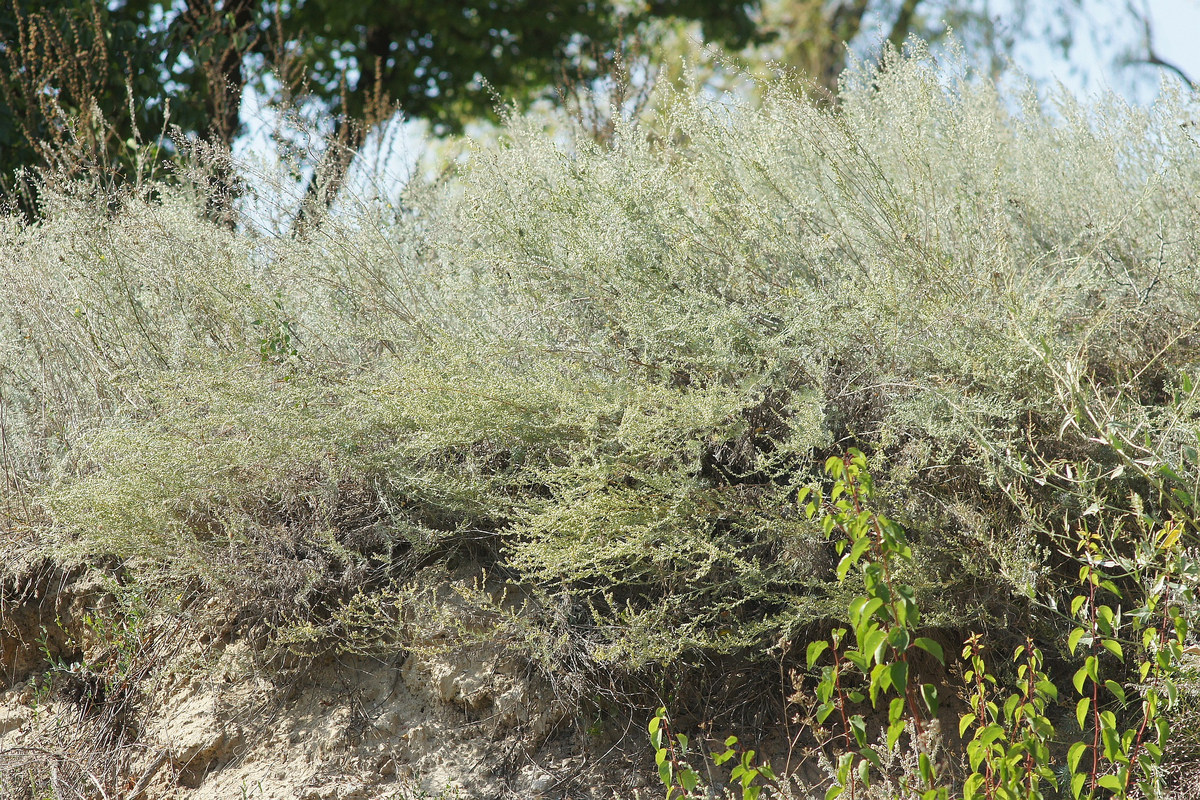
217 725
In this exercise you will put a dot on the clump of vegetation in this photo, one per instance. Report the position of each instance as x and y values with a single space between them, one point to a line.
598 377
1011 751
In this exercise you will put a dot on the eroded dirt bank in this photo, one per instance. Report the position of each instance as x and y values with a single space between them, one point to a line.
192 712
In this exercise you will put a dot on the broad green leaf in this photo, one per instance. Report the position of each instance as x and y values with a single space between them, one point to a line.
893 733
815 649
896 710
899 638
1079 679
931 647
899 674
929 695
1074 754
873 644
845 764
926 768
858 728
1072 641
990 734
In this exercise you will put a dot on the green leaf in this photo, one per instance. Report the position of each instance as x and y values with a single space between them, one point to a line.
1074 754
845 764
1079 679
1072 641
929 695
1114 647
1110 782
858 727
1081 711
815 649
990 734
1116 690
893 733
926 768
689 779
1077 781
899 638
931 647
899 675
856 550
835 791
964 722
872 644
896 709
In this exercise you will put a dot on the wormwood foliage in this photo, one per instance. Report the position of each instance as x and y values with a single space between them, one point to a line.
605 374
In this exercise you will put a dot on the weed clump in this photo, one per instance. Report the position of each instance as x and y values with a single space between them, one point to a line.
585 385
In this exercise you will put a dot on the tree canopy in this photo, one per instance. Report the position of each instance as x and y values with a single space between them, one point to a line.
93 85
67 66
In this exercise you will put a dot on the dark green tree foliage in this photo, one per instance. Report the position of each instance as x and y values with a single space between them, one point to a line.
68 69
62 61
432 58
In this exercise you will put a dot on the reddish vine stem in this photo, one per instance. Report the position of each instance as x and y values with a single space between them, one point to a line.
841 696
1092 581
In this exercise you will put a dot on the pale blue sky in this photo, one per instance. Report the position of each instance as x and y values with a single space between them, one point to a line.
1102 33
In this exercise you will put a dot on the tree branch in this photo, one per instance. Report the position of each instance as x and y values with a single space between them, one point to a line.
903 24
